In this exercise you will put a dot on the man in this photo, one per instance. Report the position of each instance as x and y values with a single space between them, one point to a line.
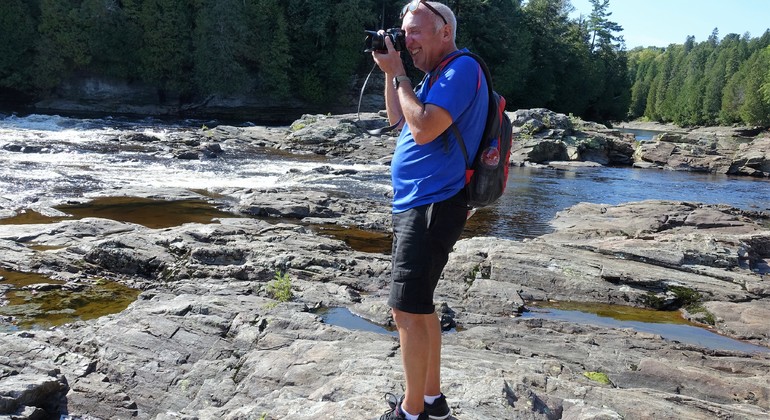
429 204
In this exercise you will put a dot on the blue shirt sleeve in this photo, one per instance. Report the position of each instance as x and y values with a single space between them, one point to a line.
456 87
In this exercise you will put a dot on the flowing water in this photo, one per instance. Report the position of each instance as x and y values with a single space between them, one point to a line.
51 159
65 157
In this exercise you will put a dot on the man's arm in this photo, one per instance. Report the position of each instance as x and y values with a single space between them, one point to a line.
392 103
426 122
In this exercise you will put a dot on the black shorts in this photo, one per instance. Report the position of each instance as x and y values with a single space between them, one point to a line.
423 237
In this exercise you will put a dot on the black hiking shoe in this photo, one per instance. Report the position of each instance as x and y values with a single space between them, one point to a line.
439 410
395 409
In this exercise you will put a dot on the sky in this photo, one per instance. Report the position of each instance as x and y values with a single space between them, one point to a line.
662 22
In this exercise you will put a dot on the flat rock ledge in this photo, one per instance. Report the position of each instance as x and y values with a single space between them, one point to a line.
208 340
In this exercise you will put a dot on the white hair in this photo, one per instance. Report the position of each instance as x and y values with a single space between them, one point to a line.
447 13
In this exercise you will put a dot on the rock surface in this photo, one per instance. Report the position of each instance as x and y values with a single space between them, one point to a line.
548 138
725 150
208 339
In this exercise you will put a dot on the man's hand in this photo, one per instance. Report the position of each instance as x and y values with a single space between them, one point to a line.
389 62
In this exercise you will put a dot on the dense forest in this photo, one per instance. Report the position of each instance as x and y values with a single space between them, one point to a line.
707 83
312 50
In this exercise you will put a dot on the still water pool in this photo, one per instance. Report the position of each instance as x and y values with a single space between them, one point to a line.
535 195
670 329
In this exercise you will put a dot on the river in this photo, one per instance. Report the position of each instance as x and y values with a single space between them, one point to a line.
45 160
49 160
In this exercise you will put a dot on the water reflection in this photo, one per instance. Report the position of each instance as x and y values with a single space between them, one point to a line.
35 301
667 326
641 135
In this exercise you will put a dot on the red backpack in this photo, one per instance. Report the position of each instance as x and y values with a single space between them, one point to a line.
487 176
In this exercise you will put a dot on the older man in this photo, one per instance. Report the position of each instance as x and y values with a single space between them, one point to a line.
429 203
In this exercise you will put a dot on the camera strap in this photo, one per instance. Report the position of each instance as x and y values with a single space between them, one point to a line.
376 131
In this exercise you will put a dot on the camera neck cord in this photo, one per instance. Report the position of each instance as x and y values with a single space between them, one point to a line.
376 131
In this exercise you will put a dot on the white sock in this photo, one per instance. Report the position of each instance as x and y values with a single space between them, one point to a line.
409 416
430 399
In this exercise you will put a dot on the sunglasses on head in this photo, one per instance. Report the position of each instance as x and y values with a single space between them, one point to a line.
414 4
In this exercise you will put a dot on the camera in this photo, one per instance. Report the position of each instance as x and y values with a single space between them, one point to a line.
376 42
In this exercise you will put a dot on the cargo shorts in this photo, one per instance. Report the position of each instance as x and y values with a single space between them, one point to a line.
423 237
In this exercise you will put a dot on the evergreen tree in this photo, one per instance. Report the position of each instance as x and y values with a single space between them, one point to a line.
601 28
167 49
714 80
62 45
495 30
349 18
19 34
267 50
691 98
579 83
325 44
764 42
754 108
111 38
220 28
548 22
642 70
311 49
611 96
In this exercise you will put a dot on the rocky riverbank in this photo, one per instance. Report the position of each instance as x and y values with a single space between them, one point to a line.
209 337
545 137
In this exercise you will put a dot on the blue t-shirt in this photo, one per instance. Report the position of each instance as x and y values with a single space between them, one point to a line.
433 172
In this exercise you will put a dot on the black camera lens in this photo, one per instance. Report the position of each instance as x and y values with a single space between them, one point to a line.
374 42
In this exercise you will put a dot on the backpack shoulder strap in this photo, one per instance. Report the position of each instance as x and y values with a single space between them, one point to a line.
432 79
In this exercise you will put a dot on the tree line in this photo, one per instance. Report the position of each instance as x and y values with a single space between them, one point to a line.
312 50
706 83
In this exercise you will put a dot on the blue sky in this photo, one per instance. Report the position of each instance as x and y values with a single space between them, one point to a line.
663 22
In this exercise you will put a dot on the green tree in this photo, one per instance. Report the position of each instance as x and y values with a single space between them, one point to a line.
610 88
693 90
321 73
220 28
603 31
267 50
166 55
753 76
642 70
111 38
548 22
349 17
19 34
495 30
62 45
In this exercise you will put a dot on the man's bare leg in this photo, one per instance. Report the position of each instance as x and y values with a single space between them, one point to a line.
415 353
433 376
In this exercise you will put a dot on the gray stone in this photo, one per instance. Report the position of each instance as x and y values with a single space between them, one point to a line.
206 339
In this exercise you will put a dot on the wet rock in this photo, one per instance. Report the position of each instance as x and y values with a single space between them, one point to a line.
139 138
187 155
207 343
542 136
711 150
